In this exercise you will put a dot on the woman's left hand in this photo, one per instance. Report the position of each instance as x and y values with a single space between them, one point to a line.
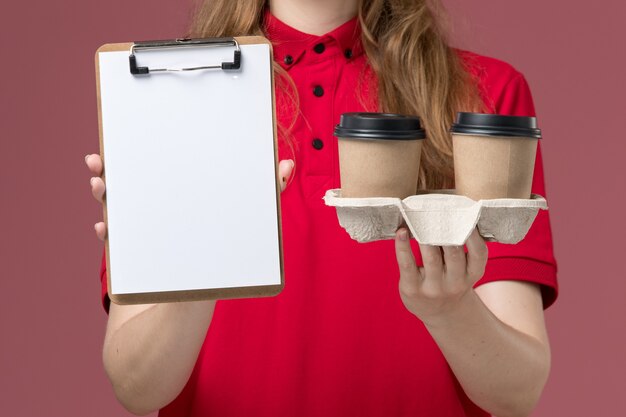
448 275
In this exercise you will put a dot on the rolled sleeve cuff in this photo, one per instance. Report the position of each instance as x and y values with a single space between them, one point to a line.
523 269
103 281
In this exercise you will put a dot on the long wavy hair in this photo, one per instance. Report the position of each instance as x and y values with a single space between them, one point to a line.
403 39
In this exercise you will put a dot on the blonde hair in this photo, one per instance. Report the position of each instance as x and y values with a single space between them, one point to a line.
403 39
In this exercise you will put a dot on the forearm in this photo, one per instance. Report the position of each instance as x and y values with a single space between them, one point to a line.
500 368
150 357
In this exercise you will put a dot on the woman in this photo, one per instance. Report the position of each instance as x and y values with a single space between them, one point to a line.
459 335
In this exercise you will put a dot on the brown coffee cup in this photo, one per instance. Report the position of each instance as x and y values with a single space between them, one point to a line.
379 154
494 155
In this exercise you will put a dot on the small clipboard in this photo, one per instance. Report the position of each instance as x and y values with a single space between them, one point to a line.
188 140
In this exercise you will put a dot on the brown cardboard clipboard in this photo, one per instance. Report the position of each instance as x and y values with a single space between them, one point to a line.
191 294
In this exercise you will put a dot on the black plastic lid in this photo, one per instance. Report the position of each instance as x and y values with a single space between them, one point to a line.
495 125
379 126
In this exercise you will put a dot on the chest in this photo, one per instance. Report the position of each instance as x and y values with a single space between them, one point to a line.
309 108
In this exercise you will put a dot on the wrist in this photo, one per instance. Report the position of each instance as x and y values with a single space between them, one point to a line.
458 313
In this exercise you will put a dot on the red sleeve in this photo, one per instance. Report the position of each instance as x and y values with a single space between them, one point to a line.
103 280
507 92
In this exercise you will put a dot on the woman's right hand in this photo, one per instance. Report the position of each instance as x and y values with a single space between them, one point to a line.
94 163
142 354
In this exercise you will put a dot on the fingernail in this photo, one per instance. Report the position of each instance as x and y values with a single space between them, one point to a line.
86 157
92 180
404 236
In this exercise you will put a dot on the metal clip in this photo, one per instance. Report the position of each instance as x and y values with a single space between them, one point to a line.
184 42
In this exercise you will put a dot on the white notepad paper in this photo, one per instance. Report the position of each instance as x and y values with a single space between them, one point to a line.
190 171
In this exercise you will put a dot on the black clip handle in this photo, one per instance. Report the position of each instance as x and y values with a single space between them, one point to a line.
134 69
235 65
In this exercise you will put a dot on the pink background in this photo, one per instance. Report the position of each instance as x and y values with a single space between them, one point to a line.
51 321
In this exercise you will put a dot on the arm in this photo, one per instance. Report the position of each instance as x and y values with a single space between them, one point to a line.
493 337
150 350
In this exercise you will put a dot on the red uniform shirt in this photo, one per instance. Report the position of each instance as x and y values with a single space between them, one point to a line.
338 341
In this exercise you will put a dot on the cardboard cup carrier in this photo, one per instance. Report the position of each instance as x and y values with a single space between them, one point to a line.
379 154
494 159
494 155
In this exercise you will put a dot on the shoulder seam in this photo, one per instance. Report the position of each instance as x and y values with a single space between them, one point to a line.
518 75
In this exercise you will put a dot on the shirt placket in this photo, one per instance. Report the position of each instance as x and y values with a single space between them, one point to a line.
316 95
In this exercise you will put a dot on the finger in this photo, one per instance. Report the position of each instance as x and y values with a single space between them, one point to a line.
94 163
97 188
477 254
285 169
455 263
410 277
101 230
432 259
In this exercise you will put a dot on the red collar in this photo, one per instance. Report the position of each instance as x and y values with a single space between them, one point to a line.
292 46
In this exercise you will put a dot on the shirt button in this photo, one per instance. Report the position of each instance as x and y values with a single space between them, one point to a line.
288 60
318 91
317 144
347 53
319 48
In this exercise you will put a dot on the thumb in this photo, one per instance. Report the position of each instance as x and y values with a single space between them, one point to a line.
285 169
